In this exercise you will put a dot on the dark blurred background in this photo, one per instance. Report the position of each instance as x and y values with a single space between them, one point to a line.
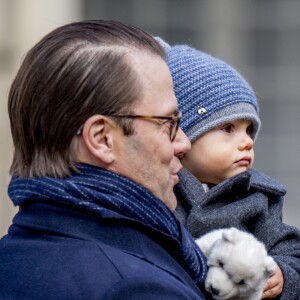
260 38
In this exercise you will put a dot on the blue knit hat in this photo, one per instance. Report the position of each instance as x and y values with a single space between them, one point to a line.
209 91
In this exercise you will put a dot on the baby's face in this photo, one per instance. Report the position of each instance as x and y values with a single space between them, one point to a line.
222 152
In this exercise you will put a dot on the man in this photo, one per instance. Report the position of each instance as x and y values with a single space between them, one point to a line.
94 122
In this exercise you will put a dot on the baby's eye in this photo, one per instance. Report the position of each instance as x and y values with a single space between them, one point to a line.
229 128
250 130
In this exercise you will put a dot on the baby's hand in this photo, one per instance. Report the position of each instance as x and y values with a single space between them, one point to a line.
274 285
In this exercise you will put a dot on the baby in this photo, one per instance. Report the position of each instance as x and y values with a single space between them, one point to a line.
219 188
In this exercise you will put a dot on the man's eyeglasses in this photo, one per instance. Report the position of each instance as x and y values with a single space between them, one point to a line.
174 122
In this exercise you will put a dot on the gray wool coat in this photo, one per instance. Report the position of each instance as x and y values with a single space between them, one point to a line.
250 201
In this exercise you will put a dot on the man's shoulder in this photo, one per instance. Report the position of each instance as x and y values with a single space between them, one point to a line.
92 268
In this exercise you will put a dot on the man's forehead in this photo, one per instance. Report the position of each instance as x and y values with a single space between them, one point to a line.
139 58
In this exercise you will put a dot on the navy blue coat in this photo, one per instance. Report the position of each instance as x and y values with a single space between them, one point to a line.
55 252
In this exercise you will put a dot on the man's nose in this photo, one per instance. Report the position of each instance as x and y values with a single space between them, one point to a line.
181 143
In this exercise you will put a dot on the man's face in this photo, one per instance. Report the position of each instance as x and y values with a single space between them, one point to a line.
148 156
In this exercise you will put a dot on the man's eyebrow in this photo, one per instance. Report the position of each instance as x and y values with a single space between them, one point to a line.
175 112
172 112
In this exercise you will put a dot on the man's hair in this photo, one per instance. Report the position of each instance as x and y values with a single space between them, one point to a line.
76 71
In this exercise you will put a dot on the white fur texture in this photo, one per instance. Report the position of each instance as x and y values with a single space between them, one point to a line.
239 265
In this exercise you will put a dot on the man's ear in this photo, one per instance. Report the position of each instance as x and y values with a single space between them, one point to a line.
98 134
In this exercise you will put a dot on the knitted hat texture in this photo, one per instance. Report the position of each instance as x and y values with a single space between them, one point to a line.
209 91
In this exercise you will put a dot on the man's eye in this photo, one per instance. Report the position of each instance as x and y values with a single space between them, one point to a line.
166 123
172 124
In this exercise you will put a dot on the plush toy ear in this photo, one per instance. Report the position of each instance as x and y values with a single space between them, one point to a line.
231 235
270 265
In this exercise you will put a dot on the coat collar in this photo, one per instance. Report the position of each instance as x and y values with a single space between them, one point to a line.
234 187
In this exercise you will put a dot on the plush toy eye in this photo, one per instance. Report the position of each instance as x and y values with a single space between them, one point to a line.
241 282
221 264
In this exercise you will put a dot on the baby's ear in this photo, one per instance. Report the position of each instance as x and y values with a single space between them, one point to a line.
270 265
231 235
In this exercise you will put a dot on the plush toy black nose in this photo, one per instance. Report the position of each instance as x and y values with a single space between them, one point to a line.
214 291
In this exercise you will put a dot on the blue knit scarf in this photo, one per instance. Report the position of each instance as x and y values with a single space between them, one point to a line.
111 195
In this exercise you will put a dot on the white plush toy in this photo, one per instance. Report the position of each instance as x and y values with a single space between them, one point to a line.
239 265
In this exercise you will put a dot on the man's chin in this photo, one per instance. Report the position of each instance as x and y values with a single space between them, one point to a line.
172 203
